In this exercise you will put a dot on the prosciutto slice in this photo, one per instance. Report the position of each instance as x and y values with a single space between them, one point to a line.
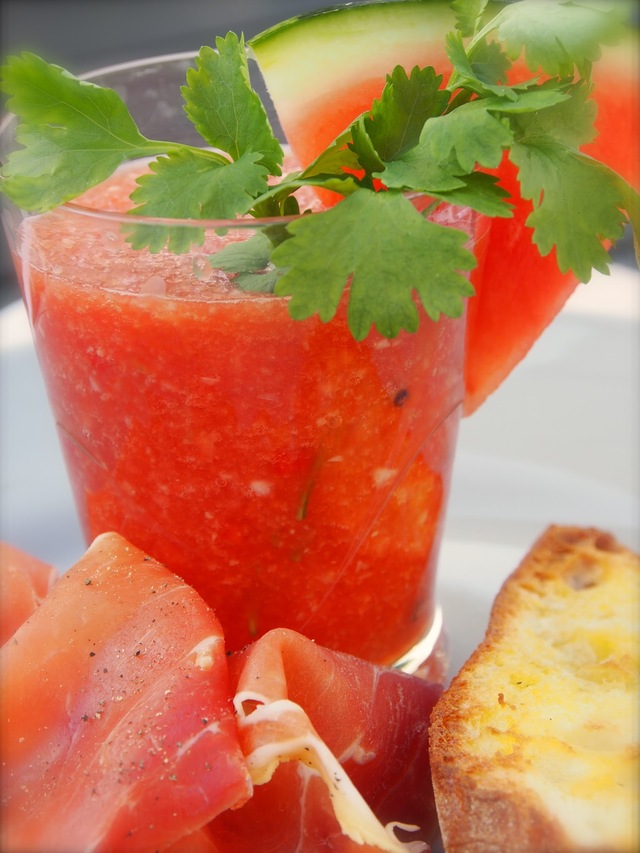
118 731
24 582
337 750
126 727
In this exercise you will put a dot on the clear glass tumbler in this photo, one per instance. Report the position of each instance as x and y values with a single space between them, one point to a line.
294 476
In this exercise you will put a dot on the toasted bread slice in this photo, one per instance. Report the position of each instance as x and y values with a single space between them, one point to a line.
534 747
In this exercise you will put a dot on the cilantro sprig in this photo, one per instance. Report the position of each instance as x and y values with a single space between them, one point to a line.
419 136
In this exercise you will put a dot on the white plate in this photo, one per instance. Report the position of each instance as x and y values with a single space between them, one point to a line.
557 443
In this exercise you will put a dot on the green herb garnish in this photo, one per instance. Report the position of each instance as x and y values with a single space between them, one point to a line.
418 137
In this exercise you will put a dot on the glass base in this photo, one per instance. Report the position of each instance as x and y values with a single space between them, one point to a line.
429 657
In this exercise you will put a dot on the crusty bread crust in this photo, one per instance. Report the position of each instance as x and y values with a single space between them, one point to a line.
513 738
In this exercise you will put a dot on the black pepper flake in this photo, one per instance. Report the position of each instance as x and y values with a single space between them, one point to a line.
92 654
401 397
87 582
135 654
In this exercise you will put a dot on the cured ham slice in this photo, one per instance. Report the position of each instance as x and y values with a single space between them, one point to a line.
24 582
125 727
118 731
337 749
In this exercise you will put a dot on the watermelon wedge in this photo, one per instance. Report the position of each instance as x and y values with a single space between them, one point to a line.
322 70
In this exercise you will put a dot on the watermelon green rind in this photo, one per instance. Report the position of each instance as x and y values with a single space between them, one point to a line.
372 35
338 22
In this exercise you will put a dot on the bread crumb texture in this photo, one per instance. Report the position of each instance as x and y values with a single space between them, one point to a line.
534 747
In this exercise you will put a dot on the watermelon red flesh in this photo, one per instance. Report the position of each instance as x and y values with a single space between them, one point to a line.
518 293
24 582
373 719
114 698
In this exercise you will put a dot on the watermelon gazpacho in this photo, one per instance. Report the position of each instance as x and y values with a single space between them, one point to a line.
294 476
125 726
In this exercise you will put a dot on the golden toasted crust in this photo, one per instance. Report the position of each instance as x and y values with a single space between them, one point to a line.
534 747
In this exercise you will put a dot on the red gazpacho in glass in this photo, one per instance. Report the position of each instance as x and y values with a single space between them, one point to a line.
295 476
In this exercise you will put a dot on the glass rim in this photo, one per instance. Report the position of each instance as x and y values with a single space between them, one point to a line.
245 222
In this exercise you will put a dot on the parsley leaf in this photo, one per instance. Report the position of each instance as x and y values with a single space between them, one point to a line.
75 134
224 108
383 277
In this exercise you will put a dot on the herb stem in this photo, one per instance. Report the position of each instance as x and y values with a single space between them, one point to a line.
157 148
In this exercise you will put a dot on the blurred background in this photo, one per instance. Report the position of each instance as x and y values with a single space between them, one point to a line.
84 34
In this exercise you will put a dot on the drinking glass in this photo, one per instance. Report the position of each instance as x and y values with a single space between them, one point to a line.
295 477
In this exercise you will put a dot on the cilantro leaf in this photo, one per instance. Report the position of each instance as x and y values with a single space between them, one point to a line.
278 200
250 261
418 170
486 73
468 15
471 135
362 146
190 184
337 157
535 99
248 255
397 118
383 276
75 134
224 108
569 121
450 146
480 192
557 35
575 205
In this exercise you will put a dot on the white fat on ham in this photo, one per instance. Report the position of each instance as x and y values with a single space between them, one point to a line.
283 732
